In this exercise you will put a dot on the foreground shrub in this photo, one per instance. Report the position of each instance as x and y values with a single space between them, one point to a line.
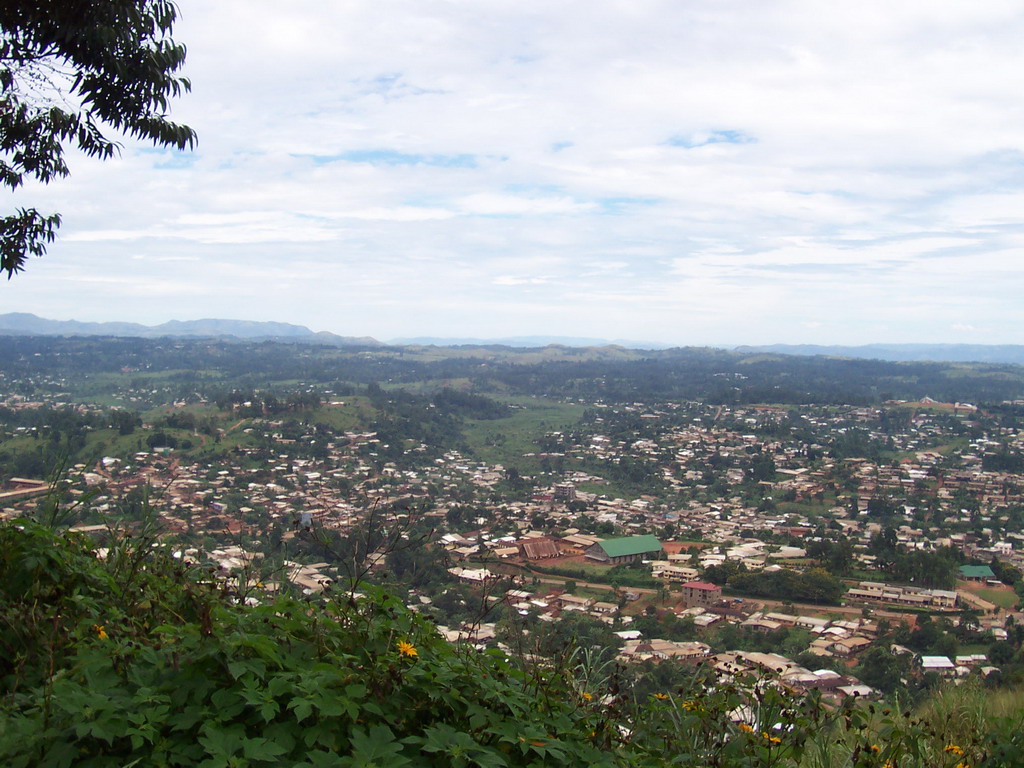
135 660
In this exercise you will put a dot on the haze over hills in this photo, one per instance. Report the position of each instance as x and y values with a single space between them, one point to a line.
528 341
948 353
24 323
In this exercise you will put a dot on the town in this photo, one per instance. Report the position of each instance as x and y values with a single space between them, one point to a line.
856 549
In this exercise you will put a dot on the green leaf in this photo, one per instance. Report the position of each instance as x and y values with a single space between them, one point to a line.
302 708
227 703
279 685
222 741
320 759
376 749
262 749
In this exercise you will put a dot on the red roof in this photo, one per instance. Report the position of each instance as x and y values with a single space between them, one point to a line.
702 585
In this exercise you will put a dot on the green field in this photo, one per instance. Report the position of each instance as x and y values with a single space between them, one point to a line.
593 571
504 441
601 595
1006 599
355 415
803 508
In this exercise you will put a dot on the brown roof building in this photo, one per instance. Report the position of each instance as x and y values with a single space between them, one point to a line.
700 593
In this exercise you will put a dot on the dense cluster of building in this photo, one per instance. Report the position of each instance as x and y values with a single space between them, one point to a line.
731 486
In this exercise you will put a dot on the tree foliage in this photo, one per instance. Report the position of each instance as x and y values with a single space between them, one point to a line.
138 659
70 71
815 586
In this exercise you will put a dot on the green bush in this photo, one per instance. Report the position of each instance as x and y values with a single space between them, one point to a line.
136 659
348 683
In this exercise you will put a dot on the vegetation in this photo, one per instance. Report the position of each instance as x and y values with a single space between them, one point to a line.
814 586
174 672
114 61
138 659
186 366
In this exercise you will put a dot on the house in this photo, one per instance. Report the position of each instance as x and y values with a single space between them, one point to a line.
473 576
627 549
940 664
674 573
762 624
812 623
700 593
539 549
663 649
850 646
565 492
573 602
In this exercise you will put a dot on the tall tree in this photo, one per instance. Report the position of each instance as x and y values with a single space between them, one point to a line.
69 71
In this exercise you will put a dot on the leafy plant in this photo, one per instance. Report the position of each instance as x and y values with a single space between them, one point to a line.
137 659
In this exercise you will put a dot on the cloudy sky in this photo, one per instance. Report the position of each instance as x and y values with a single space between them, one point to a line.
676 171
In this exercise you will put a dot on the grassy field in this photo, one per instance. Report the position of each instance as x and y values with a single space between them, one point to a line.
593 570
970 648
355 415
601 489
1004 598
601 595
802 508
504 441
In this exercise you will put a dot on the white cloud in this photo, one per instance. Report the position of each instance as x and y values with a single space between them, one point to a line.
687 172
510 205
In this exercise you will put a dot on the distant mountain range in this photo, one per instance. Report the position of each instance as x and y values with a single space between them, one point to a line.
947 353
527 341
24 323
939 353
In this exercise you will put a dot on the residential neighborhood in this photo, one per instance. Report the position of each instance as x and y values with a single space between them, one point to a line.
825 531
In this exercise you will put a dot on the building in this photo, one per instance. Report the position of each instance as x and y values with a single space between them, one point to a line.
639 649
700 593
624 550
941 665
473 576
538 549
674 573
903 595
976 573
565 492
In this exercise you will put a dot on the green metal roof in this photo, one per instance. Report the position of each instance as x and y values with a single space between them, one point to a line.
630 545
976 572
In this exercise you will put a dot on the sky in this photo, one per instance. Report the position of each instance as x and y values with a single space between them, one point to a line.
691 172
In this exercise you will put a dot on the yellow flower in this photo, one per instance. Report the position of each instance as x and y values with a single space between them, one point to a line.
771 739
660 696
691 705
101 633
746 728
963 765
956 750
405 648
875 748
587 696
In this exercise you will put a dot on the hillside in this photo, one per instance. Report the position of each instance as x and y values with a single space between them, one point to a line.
26 324
953 353
136 658
612 374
